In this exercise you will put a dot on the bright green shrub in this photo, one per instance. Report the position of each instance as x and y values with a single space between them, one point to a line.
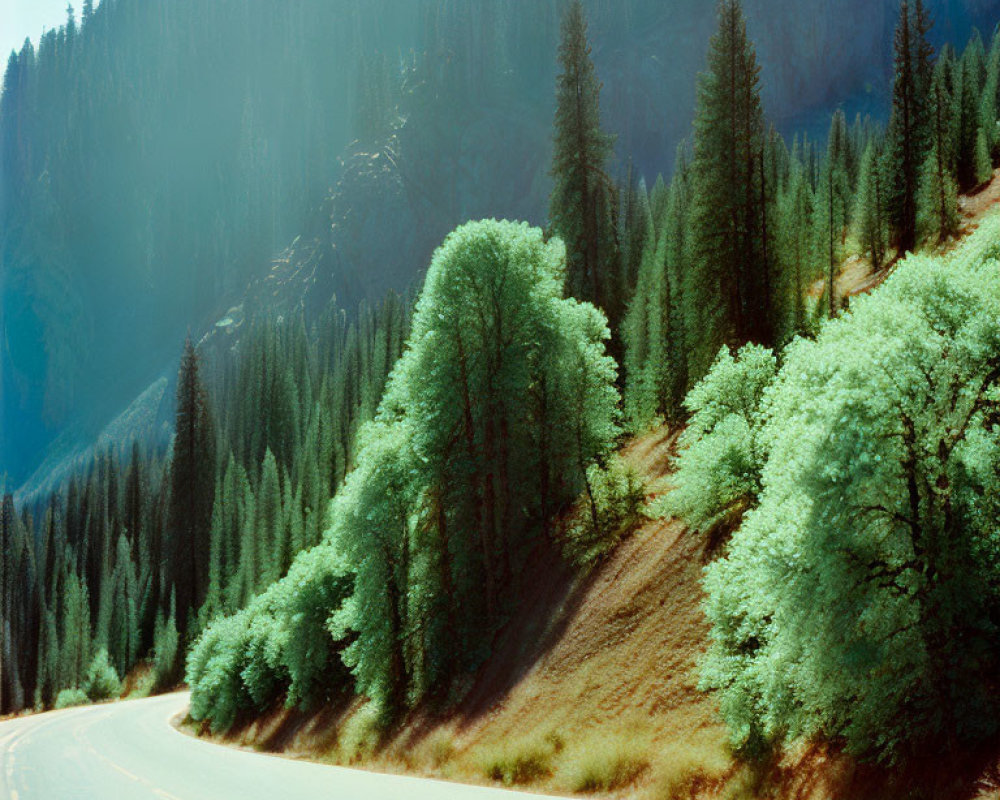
67 698
102 681
858 601
718 471
214 672
280 644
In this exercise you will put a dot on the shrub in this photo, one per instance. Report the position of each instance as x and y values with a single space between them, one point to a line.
619 494
280 643
722 454
68 698
102 681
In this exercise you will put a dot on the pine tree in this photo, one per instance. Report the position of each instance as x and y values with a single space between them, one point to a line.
582 203
267 522
833 200
192 489
909 139
869 216
795 248
984 164
655 356
969 163
937 203
729 284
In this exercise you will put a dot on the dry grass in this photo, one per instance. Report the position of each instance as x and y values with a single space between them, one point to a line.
606 761
514 763
691 767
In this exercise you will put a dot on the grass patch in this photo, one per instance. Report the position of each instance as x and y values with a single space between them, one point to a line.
526 761
685 769
360 736
606 761
438 750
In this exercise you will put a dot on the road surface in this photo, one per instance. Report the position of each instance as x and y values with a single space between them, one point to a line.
130 751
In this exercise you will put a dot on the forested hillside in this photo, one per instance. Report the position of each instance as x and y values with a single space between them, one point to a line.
359 485
157 158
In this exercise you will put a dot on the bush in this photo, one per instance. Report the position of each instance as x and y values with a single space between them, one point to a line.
619 494
102 681
722 453
68 698
280 643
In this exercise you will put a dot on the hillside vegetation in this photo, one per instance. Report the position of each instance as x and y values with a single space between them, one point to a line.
598 681
655 499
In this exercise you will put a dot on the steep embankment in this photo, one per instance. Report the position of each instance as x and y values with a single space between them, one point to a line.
593 685
594 682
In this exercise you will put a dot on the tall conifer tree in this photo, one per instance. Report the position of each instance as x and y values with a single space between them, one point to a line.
909 135
730 283
582 203
192 489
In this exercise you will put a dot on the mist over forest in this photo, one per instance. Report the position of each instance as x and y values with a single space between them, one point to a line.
157 158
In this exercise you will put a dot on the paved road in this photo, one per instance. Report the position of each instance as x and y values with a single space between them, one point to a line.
130 751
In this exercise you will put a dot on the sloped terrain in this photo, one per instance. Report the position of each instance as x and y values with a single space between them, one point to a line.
605 658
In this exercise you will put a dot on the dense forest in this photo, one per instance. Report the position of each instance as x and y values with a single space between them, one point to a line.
353 488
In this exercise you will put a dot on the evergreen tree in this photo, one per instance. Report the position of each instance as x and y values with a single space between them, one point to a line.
728 287
795 249
869 217
192 489
909 135
582 202
833 199
937 203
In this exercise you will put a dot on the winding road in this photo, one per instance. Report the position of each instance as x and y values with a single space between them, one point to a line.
131 751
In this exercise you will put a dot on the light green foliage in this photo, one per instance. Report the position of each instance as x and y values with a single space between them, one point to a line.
722 451
502 401
372 527
102 681
279 644
857 601
491 421
68 698
619 494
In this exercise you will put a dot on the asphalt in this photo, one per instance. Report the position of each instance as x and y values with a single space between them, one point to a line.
131 751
